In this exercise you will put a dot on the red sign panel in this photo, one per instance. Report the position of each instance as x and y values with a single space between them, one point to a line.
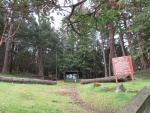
122 65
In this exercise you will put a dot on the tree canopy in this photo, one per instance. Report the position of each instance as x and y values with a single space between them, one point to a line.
91 34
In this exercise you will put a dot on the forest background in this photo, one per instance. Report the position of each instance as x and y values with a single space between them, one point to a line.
91 34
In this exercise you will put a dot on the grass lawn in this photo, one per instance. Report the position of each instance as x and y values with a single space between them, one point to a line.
36 98
111 100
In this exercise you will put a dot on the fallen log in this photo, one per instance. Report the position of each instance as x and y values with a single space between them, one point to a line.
27 80
122 78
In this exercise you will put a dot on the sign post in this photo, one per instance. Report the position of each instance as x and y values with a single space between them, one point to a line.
122 66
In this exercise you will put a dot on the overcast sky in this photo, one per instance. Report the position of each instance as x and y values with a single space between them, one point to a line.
58 18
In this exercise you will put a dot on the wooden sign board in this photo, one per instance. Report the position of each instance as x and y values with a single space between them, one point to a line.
122 66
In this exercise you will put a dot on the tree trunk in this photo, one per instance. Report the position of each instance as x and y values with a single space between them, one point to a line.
111 45
111 40
39 62
130 46
95 60
104 57
27 80
12 57
122 78
122 43
5 69
56 64
21 67
143 58
109 66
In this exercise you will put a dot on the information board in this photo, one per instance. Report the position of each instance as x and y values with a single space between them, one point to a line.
122 66
71 76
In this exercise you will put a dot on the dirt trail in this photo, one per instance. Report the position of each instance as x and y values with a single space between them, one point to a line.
76 99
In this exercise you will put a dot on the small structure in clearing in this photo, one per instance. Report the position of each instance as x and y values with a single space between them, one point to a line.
71 76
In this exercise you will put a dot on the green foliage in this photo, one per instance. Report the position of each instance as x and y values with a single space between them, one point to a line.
110 16
140 25
32 35
81 53
76 52
144 74
94 18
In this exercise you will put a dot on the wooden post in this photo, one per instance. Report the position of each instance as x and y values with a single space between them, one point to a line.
132 77
116 79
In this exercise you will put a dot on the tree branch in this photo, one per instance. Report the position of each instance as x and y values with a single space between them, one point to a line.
14 32
73 27
3 39
4 30
85 15
74 6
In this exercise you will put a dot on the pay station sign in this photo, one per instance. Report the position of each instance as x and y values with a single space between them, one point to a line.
122 66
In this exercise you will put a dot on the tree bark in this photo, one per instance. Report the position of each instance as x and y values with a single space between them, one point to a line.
122 78
104 57
111 45
5 69
111 40
109 66
21 66
27 80
143 58
39 62
122 43
95 58
130 46
12 62
56 62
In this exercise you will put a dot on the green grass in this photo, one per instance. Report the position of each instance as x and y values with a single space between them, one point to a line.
106 100
109 99
36 98
33 98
